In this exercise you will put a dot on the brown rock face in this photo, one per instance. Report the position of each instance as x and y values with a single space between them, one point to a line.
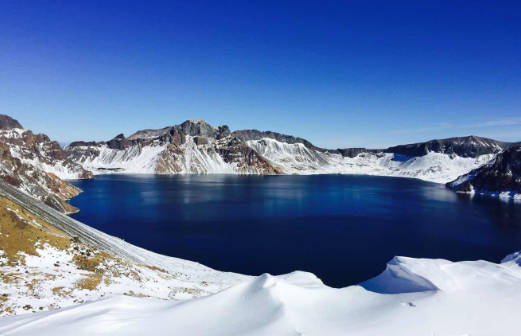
23 158
38 148
35 182
233 150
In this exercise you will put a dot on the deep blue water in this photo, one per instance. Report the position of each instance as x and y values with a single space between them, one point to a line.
343 228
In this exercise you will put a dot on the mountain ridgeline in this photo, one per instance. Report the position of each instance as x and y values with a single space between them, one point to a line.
196 147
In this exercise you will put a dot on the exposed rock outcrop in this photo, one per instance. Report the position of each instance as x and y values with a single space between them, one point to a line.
35 164
501 177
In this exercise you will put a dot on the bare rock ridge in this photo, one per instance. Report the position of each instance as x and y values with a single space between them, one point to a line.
246 135
6 122
470 146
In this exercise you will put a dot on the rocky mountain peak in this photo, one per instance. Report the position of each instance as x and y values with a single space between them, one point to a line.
6 122
203 129
118 142
120 136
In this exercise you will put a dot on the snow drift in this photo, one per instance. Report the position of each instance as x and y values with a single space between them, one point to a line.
429 297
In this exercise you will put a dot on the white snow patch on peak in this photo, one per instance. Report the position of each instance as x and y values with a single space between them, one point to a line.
13 133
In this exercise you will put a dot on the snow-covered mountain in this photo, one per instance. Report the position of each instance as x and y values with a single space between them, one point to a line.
193 147
199 148
78 280
34 164
500 178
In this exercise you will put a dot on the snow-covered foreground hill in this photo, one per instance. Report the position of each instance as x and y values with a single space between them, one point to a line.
61 277
411 297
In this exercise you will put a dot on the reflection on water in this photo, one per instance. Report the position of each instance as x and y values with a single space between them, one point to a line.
342 228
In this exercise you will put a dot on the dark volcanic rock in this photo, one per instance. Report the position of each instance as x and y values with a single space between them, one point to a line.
6 122
118 142
501 174
194 128
470 146
199 140
353 152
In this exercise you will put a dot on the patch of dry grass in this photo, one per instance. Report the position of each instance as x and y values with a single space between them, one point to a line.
139 295
90 282
62 291
21 231
90 260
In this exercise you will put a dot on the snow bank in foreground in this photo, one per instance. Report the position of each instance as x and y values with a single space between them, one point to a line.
411 297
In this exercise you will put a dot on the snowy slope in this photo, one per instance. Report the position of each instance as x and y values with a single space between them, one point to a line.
411 297
298 159
284 158
48 261
132 160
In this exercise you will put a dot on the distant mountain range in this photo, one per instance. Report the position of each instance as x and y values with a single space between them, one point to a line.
196 147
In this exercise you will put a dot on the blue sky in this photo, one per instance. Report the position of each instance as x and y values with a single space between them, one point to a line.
340 73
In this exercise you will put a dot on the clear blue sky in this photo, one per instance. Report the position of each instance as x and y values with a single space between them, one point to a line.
340 73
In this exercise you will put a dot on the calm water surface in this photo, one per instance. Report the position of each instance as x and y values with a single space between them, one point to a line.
343 228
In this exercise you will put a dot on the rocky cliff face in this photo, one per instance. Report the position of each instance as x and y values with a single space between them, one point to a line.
34 164
501 177
46 187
